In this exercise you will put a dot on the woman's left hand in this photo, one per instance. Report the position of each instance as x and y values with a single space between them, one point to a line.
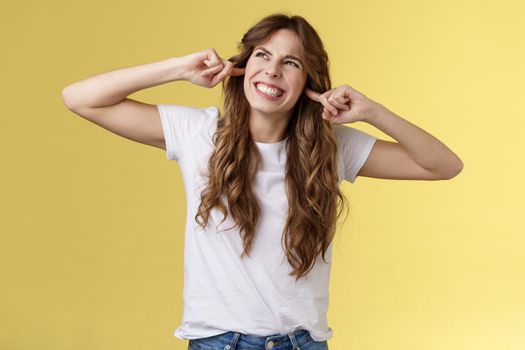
343 104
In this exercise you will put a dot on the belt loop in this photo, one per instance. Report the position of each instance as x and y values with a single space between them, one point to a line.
233 343
291 335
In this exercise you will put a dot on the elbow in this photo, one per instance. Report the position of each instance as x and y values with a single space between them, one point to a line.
454 170
67 97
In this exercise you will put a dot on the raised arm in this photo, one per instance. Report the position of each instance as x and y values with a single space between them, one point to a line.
417 155
102 99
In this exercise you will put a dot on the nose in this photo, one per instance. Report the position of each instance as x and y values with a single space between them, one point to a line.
273 70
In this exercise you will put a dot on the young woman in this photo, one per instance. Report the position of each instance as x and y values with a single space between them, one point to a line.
262 179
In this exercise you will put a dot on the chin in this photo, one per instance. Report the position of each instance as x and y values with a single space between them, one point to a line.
266 107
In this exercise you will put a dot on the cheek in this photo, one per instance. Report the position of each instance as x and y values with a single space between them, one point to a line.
298 85
249 74
249 71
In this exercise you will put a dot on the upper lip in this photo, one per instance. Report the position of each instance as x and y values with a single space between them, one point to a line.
270 85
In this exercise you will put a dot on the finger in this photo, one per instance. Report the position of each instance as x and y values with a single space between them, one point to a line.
327 115
212 70
231 70
228 66
312 94
344 100
335 101
213 57
327 104
237 71
211 63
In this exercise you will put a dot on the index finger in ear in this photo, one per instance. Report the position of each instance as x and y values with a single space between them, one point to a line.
232 71
312 94
237 71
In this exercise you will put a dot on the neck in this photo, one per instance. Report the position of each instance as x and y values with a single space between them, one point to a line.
268 128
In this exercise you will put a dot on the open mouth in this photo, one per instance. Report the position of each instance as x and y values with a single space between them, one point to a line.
271 93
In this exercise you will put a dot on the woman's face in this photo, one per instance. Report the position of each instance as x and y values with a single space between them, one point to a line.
275 76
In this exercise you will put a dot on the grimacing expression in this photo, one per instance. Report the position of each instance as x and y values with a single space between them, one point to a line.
275 75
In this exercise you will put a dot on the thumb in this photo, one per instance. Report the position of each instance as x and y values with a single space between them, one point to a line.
237 71
312 94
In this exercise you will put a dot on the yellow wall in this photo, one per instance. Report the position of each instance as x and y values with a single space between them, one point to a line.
91 224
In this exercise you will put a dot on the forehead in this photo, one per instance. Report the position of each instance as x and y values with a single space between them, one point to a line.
283 42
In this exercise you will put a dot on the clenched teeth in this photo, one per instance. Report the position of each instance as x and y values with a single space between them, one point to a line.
268 90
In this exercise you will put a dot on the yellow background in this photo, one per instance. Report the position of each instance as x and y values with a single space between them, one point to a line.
91 250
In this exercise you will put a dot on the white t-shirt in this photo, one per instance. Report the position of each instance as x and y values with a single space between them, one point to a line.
253 295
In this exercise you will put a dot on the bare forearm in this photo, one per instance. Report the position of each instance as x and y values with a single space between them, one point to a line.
111 87
424 148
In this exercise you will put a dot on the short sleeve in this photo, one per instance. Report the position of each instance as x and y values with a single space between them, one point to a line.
355 147
180 124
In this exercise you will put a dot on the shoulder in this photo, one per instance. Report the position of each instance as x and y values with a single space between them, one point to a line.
174 110
350 134
186 120
344 133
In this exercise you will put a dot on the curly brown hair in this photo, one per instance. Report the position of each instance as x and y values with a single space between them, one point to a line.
314 198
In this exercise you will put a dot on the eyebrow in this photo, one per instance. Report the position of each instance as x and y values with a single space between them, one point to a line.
287 56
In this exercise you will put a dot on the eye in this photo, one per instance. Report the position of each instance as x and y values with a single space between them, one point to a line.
295 64
258 54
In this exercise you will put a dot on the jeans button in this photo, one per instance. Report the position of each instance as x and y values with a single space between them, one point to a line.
228 347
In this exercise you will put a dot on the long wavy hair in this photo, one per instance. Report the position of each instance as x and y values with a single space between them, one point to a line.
314 199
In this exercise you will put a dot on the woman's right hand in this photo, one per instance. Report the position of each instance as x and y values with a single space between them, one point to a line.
206 68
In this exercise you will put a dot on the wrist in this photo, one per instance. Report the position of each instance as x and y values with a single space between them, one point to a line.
374 112
177 69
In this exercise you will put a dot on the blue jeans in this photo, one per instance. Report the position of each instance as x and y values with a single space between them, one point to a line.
298 340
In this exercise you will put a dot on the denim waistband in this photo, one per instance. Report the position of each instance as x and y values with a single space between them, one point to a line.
239 341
